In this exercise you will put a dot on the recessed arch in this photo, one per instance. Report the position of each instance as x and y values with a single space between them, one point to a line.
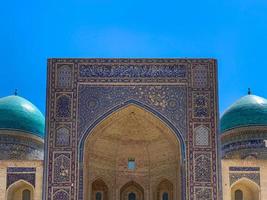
249 189
15 190
164 120
130 190
164 189
172 144
99 190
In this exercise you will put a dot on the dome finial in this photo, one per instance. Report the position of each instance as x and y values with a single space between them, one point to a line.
16 92
249 91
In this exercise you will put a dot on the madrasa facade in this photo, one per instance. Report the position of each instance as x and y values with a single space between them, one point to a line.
133 129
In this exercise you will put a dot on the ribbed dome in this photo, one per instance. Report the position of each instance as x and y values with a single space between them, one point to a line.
17 113
250 110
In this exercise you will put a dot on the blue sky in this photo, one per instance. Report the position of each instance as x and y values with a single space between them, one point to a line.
234 32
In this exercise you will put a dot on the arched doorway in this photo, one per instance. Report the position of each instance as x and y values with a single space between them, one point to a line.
20 190
245 189
132 145
132 191
99 190
165 190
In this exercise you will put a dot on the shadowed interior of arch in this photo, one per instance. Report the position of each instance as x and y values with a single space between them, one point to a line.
134 135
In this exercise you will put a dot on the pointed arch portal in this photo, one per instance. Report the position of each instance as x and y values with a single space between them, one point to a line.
131 120
132 191
132 134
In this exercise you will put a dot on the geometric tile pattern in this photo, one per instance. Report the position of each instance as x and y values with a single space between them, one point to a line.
202 167
62 137
202 193
61 194
202 136
64 76
180 92
166 100
200 76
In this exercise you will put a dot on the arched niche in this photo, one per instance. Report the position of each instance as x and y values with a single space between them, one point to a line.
165 190
99 190
132 133
18 190
249 189
132 191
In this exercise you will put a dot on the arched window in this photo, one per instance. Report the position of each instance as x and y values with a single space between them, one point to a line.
165 196
98 196
132 196
238 195
26 195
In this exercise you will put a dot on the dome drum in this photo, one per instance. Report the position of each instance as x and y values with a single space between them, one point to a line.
244 149
243 142
244 134
20 146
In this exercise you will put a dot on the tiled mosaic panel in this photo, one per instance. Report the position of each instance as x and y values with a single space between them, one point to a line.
200 76
244 169
202 136
94 101
203 168
62 167
63 137
201 105
61 194
202 193
63 106
21 169
255 177
15 174
64 75
19 148
133 71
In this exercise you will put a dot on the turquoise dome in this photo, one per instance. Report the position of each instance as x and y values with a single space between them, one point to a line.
250 110
17 113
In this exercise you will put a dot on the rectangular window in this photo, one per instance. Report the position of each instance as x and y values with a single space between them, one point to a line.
131 163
